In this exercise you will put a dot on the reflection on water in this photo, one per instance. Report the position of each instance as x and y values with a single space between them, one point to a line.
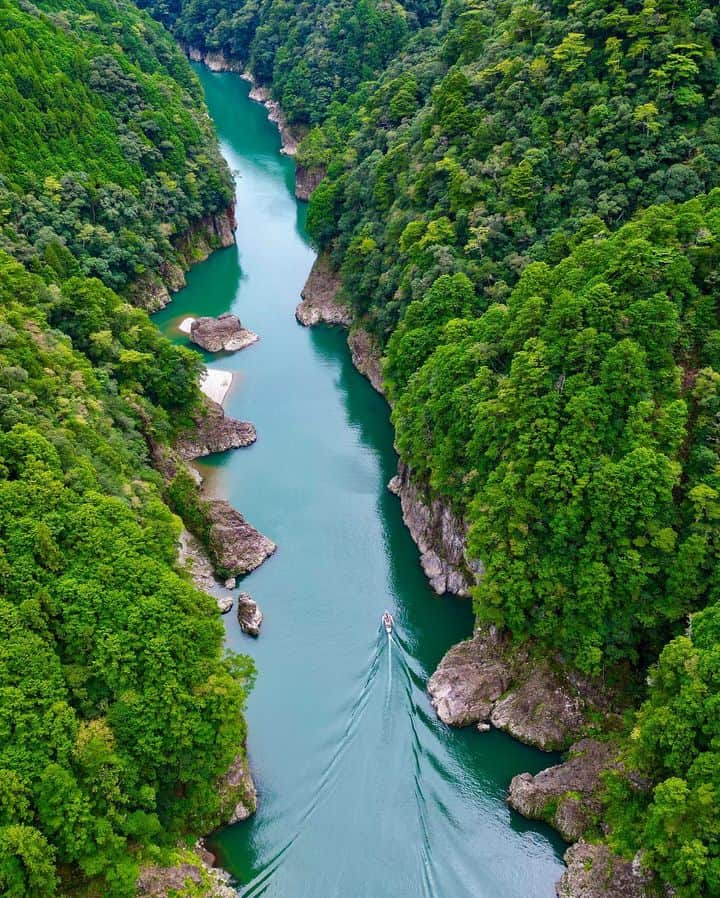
363 792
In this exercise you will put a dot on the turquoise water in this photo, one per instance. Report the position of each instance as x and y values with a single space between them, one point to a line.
363 792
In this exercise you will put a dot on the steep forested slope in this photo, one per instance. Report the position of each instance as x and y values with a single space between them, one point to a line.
119 710
106 153
312 53
553 369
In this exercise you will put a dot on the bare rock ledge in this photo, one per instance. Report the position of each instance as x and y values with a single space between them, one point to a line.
567 795
236 547
478 681
214 432
594 871
224 333
319 297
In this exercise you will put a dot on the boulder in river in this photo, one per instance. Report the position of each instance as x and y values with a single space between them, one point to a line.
214 432
222 333
250 616
236 547
567 796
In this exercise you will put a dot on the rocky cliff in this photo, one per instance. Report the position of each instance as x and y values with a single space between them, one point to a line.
152 291
306 180
439 533
319 304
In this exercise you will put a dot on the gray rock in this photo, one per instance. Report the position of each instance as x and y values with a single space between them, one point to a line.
594 871
204 880
230 583
222 333
366 357
469 680
238 795
483 727
544 711
236 547
306 180
567 795
225 604
214 432
249 615
319 297
439 533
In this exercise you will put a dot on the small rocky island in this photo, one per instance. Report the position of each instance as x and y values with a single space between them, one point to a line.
222 334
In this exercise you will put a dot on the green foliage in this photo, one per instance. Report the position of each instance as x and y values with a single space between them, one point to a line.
119 709
572 428
517 128
106 154
313 54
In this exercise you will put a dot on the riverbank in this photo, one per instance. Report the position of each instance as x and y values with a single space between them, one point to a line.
328 586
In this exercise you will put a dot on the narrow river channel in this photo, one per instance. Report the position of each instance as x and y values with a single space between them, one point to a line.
363 793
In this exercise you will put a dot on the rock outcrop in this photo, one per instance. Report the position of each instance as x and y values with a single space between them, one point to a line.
215 60
567 796
481 680
235 546
250 616
319 303
439 533
238 796
289 138
152 291
470 679
214 432
196 878
224 333
194 558
366 357
595 871
306 180
543 709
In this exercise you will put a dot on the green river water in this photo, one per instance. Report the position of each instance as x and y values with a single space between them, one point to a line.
363 792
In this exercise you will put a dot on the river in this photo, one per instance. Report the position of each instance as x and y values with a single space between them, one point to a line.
363 792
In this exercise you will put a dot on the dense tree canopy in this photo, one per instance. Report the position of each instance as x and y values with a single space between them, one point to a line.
313 53
106 153
119 709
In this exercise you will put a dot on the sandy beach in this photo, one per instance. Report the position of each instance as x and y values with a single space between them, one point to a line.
215 384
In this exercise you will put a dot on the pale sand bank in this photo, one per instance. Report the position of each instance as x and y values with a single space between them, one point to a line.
215 384
185 325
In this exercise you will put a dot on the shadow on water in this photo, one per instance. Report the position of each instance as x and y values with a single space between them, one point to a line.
363 792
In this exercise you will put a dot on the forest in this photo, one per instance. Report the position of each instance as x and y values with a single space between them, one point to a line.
120 708
523 206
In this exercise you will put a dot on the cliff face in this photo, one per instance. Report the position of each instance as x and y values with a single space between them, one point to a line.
215 60
306 180
152 292
439 533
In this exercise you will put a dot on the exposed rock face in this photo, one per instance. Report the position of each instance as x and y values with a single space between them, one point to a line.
544 711
249 615
152 291
306 180
482 679
237 792
319 303
366 357
439 533
192 556
214 432
236 547
565 796
215 60
470 679
222 333
289 138
594 871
